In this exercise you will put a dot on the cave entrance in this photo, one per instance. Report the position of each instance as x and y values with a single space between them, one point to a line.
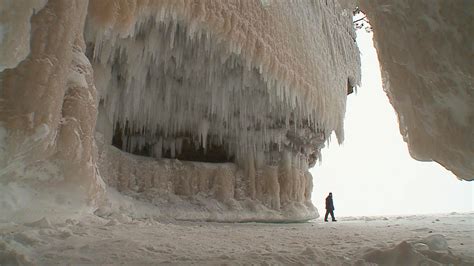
183 147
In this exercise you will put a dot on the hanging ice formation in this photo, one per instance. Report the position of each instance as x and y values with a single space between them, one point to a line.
169 82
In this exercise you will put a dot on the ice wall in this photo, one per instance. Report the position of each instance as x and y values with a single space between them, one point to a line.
48 110
248 90
426 53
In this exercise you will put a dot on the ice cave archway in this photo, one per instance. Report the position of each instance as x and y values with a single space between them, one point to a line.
258 86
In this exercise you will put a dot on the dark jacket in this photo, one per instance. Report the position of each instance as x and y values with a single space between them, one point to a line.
329 203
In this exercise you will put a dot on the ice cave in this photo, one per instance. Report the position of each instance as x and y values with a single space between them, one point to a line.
213 110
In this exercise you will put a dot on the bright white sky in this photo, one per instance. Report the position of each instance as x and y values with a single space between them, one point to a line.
372 173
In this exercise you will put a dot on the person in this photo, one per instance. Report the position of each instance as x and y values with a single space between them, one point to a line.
329 208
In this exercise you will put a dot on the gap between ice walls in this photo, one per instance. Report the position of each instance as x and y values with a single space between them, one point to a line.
194 110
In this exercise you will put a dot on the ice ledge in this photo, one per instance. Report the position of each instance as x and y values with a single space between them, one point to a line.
206 191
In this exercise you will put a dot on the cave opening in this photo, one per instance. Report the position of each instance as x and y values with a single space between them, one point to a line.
183 147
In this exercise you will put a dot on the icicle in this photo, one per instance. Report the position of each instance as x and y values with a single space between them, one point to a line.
158 147
203 131
172 146
179 145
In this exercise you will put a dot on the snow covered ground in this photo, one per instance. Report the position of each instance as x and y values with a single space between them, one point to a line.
119 239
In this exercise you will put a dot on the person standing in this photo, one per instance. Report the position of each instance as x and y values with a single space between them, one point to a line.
329 208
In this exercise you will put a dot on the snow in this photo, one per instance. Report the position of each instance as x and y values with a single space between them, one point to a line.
155 240
26 200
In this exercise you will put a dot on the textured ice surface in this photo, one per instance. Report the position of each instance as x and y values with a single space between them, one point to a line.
425 51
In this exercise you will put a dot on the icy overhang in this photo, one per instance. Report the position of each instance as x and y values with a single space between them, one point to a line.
238 76
426 55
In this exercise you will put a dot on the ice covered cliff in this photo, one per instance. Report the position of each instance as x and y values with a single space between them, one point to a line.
213 107
212 110
426 52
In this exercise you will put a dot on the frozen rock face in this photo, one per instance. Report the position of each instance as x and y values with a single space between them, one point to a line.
48 111
426 53
216 106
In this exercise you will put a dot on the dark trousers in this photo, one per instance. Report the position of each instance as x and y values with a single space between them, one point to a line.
327 213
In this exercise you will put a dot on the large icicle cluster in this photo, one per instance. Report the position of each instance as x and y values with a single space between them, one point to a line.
171 78
165 90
